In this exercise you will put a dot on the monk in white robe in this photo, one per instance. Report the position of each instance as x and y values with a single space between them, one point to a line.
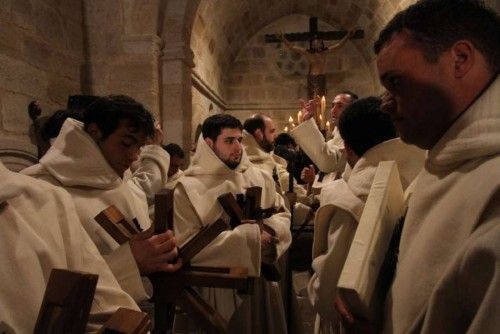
329 156
343 201
258 141
447 278
40 231
90 166
220 165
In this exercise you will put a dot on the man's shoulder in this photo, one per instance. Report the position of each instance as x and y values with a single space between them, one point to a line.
34 187
256 171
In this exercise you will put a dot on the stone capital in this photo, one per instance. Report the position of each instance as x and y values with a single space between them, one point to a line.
179 51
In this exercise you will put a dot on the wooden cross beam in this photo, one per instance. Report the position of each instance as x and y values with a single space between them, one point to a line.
313 32
251 211
172 289
66 303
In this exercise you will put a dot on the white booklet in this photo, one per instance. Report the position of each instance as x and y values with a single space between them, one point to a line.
360 285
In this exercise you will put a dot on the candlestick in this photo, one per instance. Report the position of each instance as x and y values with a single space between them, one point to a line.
299 117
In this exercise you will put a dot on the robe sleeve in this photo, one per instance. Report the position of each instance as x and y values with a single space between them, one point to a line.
123 265
280 223
327 267
233 248
83 256
326 155
151 173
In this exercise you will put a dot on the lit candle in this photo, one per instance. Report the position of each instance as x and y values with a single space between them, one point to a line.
290 119
285 129
323 110
293 125
299 117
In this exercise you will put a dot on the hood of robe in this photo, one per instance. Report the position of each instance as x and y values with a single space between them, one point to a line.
256 154
76 160
206 162
476 133
410 160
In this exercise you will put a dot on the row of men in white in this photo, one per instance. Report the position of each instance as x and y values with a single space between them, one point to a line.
458 125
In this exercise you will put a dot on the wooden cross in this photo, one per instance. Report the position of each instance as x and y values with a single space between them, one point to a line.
66 303
171 289
313 32
251 211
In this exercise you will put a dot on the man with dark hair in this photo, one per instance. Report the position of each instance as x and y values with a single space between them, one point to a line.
52 126
262 128
176 163
89 160
369 138
258 140
220 165
439 61
286 140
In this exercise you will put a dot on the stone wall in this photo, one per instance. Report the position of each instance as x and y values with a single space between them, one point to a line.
270 78
40 58
122 50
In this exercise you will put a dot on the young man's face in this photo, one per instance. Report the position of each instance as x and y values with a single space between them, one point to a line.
228 147
121 147
175 164
423 110
340 102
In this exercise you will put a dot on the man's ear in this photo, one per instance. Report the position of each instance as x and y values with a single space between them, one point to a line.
94 131
258 134
210 142
463 57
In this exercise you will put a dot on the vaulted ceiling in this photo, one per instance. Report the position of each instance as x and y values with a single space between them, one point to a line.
228 24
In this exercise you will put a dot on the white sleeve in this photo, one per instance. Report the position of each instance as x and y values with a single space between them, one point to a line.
322 288
152 170
326 155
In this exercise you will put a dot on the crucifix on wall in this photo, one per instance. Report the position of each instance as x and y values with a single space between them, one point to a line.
317 53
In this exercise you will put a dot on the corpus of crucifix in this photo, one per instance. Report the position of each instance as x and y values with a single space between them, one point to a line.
317 53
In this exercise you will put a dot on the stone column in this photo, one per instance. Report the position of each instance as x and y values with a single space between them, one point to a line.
176 95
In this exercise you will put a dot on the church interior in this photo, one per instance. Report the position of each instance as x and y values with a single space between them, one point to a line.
185 60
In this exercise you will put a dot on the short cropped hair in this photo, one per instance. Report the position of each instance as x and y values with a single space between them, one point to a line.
174 150
107 112
253 123
284 139
213 125
363 125
51 128
435 25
